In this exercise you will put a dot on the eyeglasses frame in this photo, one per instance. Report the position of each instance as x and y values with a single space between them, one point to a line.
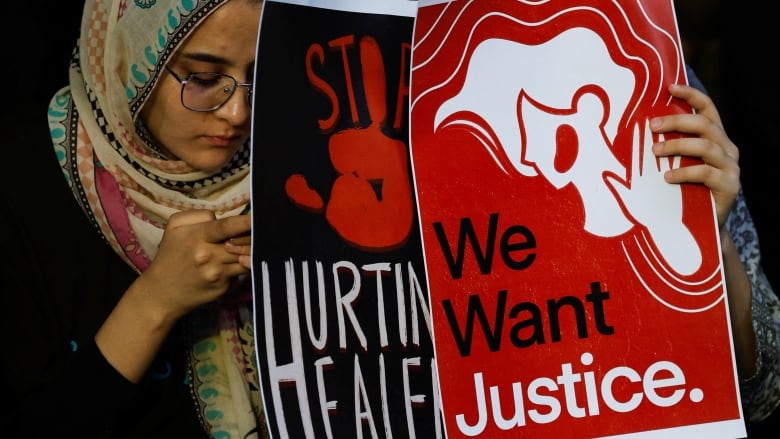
248 85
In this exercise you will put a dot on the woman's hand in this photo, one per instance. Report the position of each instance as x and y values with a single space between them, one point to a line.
242 247
193 265
706 140
720 173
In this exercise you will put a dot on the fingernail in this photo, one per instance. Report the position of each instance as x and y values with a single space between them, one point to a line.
655 123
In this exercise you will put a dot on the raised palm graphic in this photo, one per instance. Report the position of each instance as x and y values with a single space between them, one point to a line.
647 194
370 203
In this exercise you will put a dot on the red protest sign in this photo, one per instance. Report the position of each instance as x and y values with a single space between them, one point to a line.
573 292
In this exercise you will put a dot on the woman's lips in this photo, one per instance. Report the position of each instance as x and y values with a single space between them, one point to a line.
221 141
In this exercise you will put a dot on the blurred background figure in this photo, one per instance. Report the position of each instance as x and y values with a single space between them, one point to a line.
731 47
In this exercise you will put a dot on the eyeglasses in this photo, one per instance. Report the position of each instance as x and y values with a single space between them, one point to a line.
207 91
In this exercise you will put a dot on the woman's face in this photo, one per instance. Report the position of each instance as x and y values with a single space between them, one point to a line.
224 43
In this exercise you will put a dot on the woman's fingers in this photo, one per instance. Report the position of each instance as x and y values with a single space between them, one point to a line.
217 230
239 241
194 250
703 137
241 247
706 122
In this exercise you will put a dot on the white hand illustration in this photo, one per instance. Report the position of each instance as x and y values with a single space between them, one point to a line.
658 205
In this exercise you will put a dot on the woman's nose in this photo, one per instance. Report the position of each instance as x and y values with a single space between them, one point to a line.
238 107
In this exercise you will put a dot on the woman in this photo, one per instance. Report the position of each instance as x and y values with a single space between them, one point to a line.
152 337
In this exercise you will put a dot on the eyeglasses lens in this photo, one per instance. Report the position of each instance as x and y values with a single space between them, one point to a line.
207 91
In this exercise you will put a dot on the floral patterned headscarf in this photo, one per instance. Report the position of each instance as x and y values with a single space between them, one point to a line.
128 190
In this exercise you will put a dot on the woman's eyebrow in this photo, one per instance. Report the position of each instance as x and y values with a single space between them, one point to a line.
205 57
209 58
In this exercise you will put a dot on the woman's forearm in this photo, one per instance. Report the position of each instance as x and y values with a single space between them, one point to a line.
740 304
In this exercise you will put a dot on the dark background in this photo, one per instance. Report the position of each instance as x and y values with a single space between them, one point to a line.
730 46
38 36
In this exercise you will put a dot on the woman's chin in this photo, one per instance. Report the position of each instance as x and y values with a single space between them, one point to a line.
211 162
